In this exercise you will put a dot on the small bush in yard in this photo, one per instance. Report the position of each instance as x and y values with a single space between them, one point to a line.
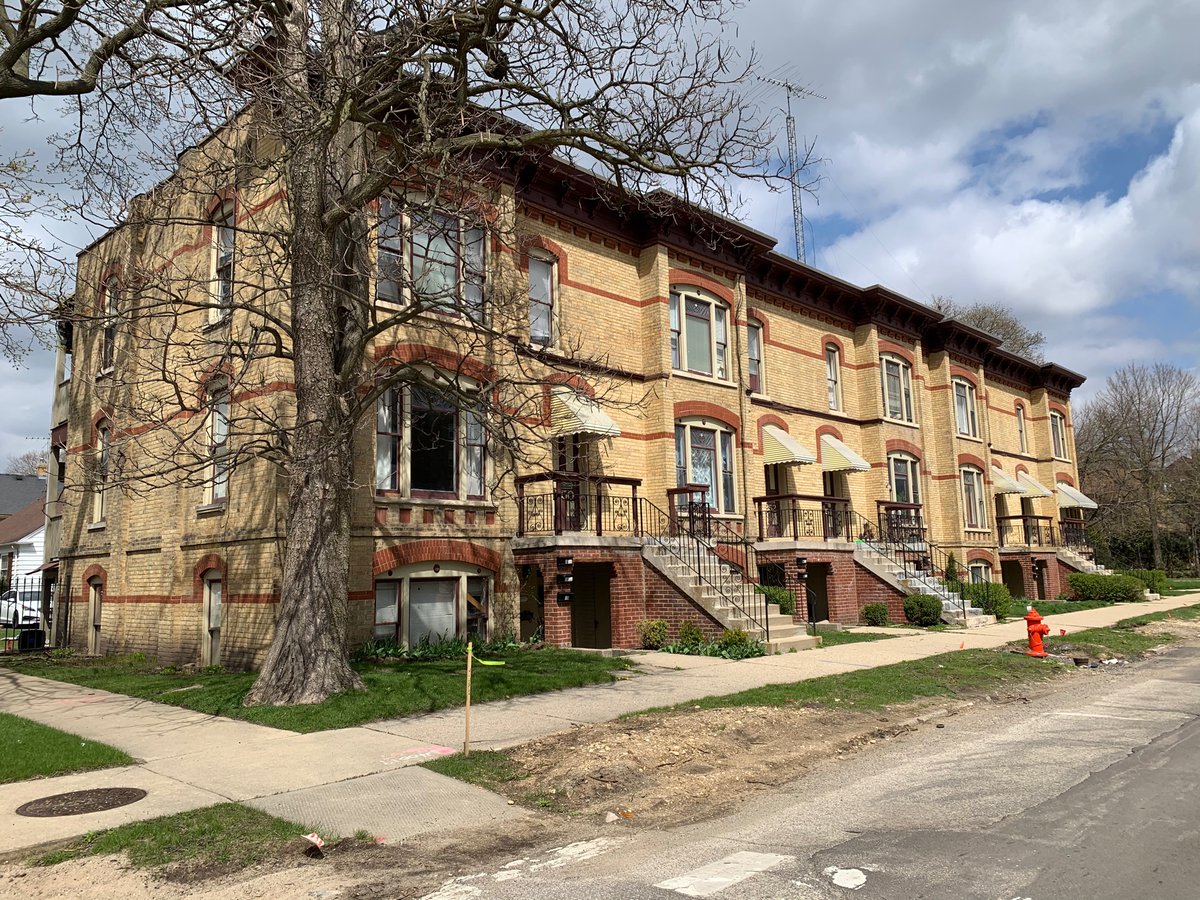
785 598
690 635
923 610
1155 580
994 599
1106 588
653 634
875 614
737 644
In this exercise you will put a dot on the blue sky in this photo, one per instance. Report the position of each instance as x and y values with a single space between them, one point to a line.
1044 154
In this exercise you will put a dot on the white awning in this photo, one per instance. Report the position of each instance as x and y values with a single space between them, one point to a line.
573 413
1069 498
1002 484
780 448
1033 487
837 457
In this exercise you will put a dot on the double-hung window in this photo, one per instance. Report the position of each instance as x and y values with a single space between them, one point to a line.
541 300
974 498
1058 434
429 258
437 450
966 415
699 335
110 310
102 463
1022 440
904 474
833 375
754 351
218 446
896 376
704 456
224 226
980 572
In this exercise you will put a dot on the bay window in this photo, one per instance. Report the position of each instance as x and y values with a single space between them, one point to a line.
699 335
896 377
974 498
966 416
704 456
437 450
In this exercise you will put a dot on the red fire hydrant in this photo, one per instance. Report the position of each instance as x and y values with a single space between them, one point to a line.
1036 628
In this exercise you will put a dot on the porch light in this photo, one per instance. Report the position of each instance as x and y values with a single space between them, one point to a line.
565 597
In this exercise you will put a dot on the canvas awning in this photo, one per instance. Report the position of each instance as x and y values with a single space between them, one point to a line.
837 457
780 448
573 413
1069 498
1002 484
1033 487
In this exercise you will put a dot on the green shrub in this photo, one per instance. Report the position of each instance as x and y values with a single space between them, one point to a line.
875 614
994 599
785 598
922 610
690 635
1155 580
737 644
1106 588
1064 597
653 634
953 575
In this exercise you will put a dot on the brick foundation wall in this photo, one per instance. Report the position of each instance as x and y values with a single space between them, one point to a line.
850 587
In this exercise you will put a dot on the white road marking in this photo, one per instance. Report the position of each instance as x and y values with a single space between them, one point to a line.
708 880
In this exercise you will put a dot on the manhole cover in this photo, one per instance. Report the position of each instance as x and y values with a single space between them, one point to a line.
76 803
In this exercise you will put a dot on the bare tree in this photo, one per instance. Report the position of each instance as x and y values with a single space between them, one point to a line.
998 320
31 462
377 117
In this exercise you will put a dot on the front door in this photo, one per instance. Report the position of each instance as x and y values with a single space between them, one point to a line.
591 609
210 648
95 604
817 586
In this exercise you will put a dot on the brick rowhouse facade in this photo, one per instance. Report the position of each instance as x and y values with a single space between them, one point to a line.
721 344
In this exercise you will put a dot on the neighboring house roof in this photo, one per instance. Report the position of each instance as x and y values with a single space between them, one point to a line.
18 491
23 522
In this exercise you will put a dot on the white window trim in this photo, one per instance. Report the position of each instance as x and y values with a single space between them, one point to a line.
754 335
1058 435
677 307
985 570
446 570
725 505
100 485
402 448
403 209
971 474
914 476
552 261
218 453
110 312
971 411
1022 430
833 377
908 412
224 219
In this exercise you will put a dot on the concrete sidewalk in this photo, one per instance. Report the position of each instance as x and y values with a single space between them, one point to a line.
368 777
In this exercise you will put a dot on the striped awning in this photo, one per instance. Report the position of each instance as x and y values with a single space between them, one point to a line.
1033 487
1069 498
1002 484
837 457
574 413
780 448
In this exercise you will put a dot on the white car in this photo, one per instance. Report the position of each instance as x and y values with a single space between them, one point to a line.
20 608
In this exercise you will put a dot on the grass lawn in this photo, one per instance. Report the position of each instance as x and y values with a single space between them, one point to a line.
29 750
834 638
227 837
1053 607
1122 640
1178 586
1186 613
393 689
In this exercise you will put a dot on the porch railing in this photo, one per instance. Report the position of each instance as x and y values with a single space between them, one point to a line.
900 522
558 502
901 538
1026 531
798 516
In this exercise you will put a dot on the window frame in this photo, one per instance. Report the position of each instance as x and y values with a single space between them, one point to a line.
754 355
717 321
966 416
217 481
1022 434
396 237
905 397
110 310
912 476
550 304
979 572
724 469
224 235
833 376
975 517
1058 436
100 484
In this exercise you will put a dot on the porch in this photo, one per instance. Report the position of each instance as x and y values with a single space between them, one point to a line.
1026 532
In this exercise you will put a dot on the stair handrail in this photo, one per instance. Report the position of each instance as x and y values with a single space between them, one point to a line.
692 536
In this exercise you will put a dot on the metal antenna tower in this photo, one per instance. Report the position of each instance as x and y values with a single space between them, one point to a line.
793 162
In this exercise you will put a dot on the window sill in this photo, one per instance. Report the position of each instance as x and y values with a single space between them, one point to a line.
440 502
210 509
97 526
104 373
970 530
890 421
969 437
217 324
1061 459
706 379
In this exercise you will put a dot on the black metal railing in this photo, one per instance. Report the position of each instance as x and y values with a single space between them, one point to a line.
563 502
899 535
1026 531
798 516
1073 533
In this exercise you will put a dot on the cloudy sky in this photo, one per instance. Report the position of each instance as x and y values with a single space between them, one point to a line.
1045 155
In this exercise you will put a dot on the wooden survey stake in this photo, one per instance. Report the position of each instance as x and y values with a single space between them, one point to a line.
467 737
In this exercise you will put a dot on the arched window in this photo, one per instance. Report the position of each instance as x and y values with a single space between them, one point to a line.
1022 439
699 334
974 498
833 375
896 378
704 455
224 249
966 416
102 463
980 572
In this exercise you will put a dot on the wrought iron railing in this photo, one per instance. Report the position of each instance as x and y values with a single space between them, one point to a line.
1026 531
900 522
798 516
901 538
563 502
1073 533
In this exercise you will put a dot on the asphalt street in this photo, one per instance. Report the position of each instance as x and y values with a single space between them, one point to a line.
1087 792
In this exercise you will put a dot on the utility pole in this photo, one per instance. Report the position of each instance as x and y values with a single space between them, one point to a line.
793 161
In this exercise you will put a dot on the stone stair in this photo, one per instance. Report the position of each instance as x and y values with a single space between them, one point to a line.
721 593
876 560
1079 562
